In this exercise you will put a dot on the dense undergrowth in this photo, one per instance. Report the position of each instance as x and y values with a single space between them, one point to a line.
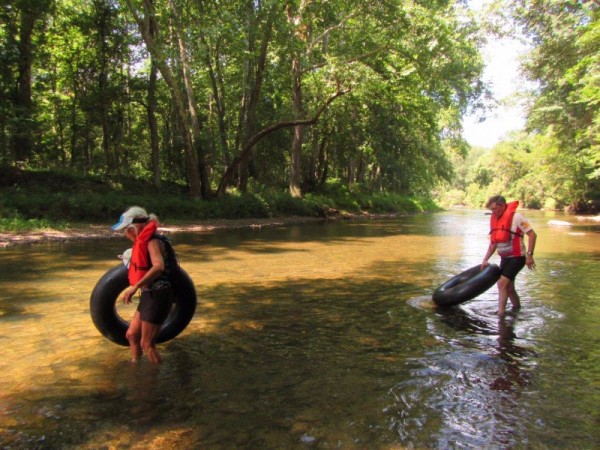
31 200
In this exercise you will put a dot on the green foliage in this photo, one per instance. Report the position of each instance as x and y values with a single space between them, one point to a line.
393 203
42 199
529 168
283 204
410 68
448 197
238 207
565 65
557 163
12 220
335 195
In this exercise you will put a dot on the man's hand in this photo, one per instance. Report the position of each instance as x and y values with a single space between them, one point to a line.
529 262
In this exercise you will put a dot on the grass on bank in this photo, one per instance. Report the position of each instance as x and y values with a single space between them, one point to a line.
32 200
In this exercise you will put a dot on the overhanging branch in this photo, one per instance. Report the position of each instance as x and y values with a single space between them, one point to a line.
245 152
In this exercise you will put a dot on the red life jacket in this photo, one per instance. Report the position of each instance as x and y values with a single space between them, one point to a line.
140 262
500 226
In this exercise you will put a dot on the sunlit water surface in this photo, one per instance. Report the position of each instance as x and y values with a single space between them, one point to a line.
317 336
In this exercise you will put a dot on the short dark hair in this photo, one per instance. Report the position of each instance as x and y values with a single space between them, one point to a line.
497 199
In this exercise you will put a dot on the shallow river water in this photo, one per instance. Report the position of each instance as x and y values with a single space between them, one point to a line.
315 336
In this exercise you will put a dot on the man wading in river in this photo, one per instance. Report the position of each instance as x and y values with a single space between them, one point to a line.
507 228
148 272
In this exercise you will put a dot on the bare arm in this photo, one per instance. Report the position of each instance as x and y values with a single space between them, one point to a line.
158 267
490 251
531 238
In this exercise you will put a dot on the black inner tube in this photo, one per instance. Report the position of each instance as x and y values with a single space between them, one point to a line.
112 326
466 285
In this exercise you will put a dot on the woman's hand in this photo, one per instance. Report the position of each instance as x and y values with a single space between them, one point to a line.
128 294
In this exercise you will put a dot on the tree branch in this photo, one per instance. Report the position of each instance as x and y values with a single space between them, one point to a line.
228 175
327 31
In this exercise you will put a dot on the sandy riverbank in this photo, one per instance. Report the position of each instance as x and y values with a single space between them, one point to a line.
104 232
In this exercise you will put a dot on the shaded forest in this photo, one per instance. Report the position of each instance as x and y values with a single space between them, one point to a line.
259 95
239 94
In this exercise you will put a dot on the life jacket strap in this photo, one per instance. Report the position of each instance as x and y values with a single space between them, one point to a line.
516 233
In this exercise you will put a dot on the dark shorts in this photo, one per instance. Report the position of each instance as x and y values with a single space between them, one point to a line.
155 305
510 267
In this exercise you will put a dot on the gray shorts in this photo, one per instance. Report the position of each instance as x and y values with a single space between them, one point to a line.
155 305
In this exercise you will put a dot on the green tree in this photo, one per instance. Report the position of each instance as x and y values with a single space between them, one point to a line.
214 94
565 65
169 61
23 24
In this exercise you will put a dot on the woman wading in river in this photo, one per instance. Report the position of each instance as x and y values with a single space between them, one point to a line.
148 272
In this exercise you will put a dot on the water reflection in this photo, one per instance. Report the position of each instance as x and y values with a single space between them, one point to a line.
513 356
310 337
470 387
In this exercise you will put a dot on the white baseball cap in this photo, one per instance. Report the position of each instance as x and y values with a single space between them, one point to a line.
135 214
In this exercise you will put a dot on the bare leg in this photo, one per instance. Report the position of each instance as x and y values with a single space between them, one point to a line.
503 291
514 297
133 335
149 332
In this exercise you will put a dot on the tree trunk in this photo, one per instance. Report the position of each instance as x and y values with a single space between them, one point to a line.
254 80
214 71
205 189
23 137
296 152
322 168
179 103
318 159
103 107
105 139
60 125
73 119
153 126
298 137
360 171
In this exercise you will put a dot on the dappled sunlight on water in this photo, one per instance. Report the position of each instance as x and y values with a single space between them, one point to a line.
316 336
